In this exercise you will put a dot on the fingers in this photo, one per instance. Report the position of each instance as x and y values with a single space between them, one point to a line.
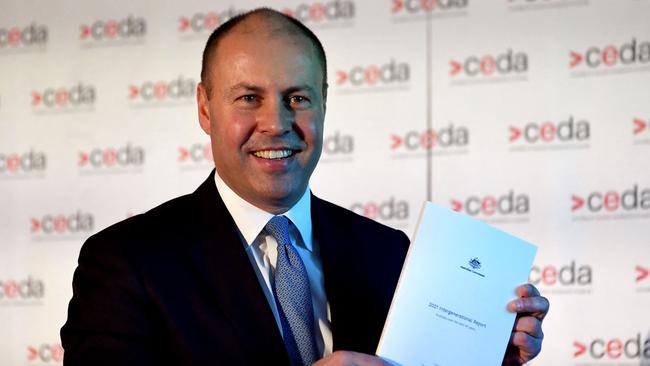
527 335
348 358
360 359
534 305
529 325
527 290
529 302
528 345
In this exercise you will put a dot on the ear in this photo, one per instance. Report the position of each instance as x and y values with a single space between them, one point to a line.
202 104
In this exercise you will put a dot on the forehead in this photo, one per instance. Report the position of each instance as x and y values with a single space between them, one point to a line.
259 49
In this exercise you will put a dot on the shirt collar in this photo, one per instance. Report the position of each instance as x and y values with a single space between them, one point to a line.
250 220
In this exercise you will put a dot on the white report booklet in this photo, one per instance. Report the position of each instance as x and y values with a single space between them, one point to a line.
449 308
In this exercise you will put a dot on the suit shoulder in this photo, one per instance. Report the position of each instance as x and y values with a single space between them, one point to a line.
359 222
137 227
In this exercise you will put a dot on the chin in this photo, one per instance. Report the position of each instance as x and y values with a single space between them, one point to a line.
281 196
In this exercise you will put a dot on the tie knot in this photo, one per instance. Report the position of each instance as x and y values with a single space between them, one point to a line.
278 227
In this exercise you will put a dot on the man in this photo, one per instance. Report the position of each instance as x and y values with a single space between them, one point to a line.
251 268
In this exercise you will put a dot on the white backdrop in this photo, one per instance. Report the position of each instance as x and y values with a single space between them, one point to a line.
529 114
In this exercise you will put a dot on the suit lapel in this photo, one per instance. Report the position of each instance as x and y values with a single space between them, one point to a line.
345 273
228 270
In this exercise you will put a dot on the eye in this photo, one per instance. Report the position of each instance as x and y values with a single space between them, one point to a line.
249 98
299 101
248 101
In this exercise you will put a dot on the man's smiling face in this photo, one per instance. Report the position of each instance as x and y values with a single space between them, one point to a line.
265 113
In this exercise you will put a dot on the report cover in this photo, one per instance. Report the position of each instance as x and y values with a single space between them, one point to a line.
449 308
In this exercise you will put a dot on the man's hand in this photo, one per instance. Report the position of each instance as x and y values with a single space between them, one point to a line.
347 358
526 338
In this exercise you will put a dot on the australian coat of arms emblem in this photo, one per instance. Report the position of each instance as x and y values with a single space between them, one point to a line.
475 263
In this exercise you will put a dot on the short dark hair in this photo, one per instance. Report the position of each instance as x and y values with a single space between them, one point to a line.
221 31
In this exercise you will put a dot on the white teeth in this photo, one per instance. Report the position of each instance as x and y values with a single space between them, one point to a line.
272 154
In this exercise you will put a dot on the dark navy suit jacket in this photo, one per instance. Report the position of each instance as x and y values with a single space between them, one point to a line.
175 286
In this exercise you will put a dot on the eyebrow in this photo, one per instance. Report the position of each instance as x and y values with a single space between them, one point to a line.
257 89
245 86
304 87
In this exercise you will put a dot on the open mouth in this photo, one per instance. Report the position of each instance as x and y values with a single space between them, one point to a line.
275 154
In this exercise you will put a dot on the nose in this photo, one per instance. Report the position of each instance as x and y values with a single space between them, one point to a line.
275 118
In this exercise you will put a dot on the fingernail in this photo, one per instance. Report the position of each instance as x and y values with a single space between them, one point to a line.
512 306
519 304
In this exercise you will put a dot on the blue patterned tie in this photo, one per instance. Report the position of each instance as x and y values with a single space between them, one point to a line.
293 296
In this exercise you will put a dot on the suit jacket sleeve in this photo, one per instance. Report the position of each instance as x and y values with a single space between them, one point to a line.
109 322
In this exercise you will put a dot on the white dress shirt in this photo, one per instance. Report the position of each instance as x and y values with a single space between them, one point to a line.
262 250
